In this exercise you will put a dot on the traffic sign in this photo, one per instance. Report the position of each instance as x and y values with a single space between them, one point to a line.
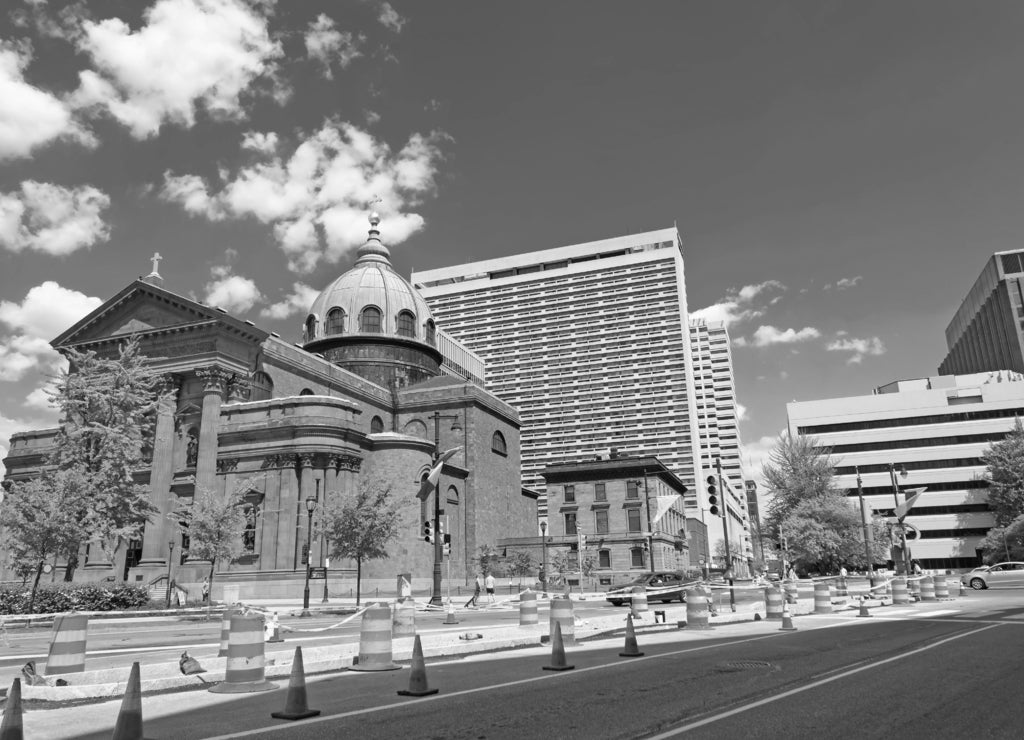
317 574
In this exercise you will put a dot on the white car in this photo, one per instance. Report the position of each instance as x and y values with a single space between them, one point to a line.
1000 575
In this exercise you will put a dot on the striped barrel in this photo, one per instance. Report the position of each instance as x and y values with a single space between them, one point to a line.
246 664
638 602
792 591
225 631
773 603
900 594
822 598
914 586
941 588
955 589
697 609
841 587
403 621
527 608
928 589
375 641
67 646
561 613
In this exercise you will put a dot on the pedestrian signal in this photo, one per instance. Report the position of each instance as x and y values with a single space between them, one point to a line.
447 544
428 531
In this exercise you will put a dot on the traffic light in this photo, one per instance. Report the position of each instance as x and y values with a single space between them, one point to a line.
447 544
712 496
428 531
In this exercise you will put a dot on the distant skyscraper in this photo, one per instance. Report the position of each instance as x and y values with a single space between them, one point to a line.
987 332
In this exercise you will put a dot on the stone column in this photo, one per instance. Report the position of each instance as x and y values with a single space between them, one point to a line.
306 490
159 529
271 514
214 380
287 523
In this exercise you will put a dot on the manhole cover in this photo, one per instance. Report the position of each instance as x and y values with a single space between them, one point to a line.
744 665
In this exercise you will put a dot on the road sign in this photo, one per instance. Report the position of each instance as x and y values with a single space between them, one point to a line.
317 574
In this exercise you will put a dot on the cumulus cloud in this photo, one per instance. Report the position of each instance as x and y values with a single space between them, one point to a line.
46 311
325 45
768 335
48 218
316 199
389 18
858 348
296 302
740 304
189 55
755 455
844 283
29 116
233 293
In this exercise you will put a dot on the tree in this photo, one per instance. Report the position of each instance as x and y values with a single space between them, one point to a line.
361 526
825 533
1005 461
521 564
41 521
108 410
797 471
486 559
1004 543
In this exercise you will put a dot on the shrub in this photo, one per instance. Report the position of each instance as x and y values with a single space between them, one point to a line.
63 597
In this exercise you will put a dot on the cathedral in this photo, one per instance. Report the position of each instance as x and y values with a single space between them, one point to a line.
371 396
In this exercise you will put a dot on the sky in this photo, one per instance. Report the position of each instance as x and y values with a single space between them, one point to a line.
839 171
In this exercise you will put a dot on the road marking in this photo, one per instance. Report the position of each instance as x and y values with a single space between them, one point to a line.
816 684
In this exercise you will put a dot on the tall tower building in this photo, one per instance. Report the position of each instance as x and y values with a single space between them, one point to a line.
589 343
987 332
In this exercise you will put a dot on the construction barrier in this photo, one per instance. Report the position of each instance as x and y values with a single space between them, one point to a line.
129 718
630 649
822 598
773 603
792 592
900 594
418 685
696 609
638 602
246 662
403 621
914 586
558 661
562 616
928 589
272 630
225 631
941 588
841 588
375 641
67 646
527 608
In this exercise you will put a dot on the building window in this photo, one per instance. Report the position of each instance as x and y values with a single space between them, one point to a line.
192 448
369 320
335 322
262 386
601 521
570 494
633 520
310 328
632 489
406 324
599 492
570 522
498 445
306 392
431 333
636 557
376 425
604 558
249 533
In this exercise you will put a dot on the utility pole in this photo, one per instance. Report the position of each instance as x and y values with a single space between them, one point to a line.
435 594
725 532
895 513
650 527
868 538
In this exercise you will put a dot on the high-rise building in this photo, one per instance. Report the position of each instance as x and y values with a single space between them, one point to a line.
928 433
987 332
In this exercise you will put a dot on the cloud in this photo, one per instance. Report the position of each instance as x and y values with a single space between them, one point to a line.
29 116
296 302
844 283
49 218
741 411
317 199
260 142
233 293
859 348
755 455
389 18
189 55
326 45
738 305
45 313
769 335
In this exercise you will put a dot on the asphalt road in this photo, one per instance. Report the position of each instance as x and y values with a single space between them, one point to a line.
945 670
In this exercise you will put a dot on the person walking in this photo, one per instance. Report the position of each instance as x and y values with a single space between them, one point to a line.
206 588
489 585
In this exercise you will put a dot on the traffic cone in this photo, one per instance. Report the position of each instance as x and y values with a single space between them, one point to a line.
276 629
450 618
631 650
129 719
418 679
557 651
863 609
11 728
787 621
295 704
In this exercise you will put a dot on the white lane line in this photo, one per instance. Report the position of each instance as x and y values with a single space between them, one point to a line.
816 684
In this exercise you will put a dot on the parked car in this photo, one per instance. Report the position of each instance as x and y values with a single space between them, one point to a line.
995 576
652 582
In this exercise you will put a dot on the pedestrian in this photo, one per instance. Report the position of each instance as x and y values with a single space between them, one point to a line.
206 589
474 600
489 585
916 567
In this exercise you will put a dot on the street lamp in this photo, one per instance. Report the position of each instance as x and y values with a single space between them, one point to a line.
435 595
170 563
899 520
725 533
544 556
310 507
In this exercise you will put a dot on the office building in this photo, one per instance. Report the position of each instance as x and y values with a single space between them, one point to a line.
928 433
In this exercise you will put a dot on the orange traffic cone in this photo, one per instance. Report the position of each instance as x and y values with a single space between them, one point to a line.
129 719
450 618
787 621
295 704
631 650
275 629
11 728
418 679
557 651
864 609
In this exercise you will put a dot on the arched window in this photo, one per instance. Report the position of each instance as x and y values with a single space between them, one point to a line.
376 425
310 328
498 445
431 333
335 322
406 324
306 392
453 495
262 386
369 320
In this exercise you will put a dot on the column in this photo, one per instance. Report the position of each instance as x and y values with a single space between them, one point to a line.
214 380
159 529
286 518
271 515
306 490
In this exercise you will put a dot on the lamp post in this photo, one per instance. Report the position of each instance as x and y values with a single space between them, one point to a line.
725 533
435 595
650 527
899 520
310 506
544 556
868 539
170 563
